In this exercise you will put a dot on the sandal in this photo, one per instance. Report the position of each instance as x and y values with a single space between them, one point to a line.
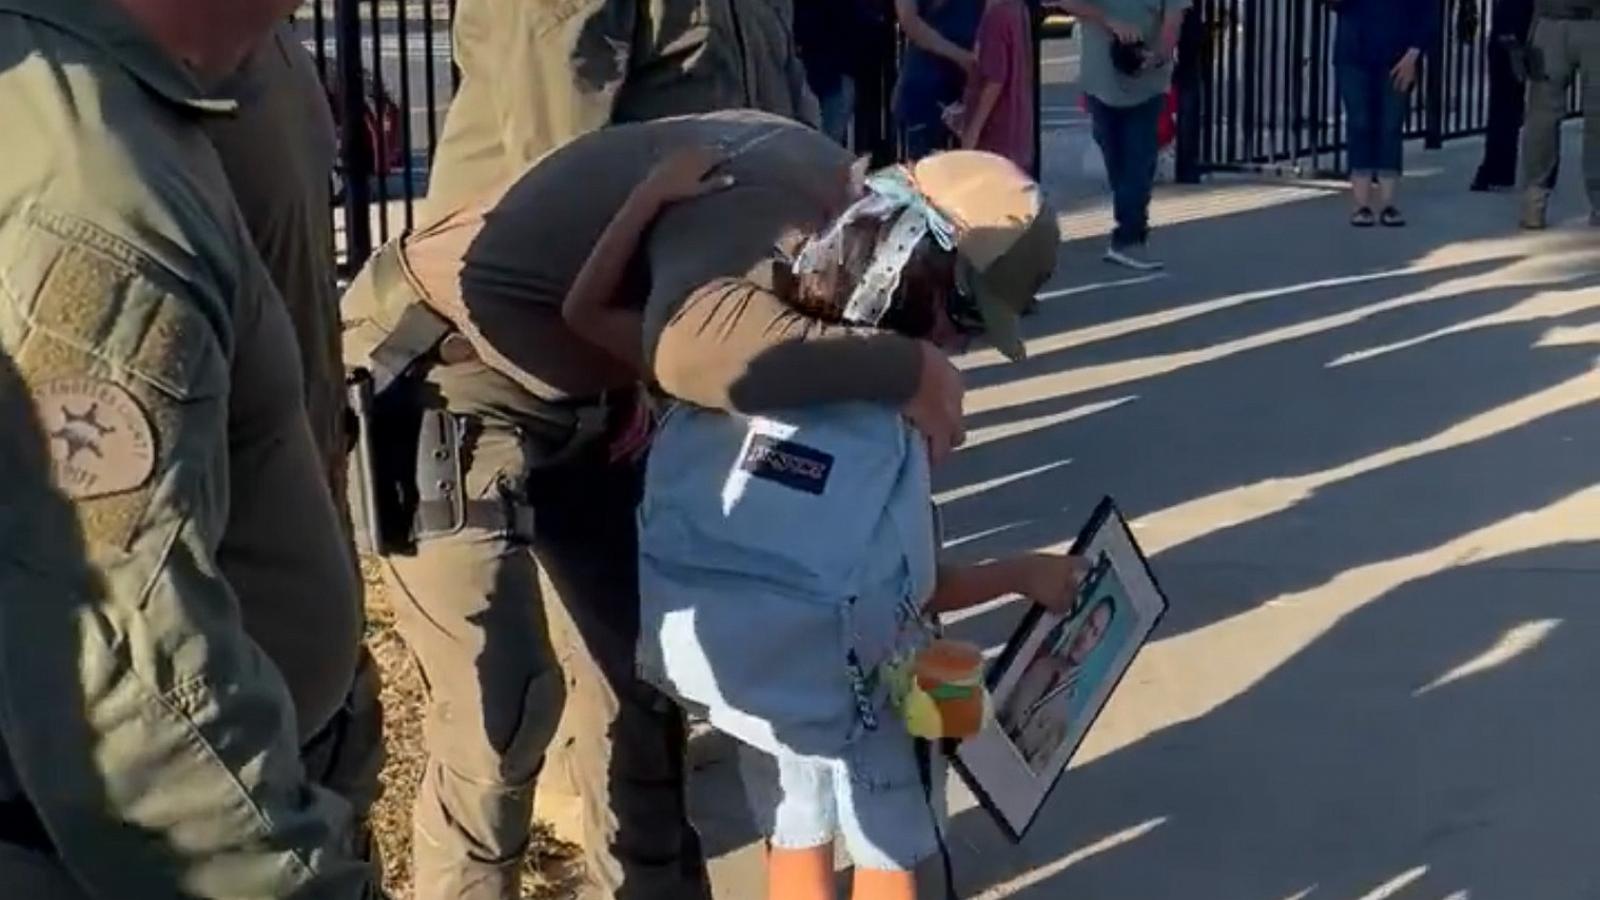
1392 218
1363 218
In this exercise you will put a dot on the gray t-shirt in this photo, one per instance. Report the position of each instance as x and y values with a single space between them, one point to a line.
1100 79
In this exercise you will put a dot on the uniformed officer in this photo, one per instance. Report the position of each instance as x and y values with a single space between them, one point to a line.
520 418
535 75
1565 41
278 152
155 449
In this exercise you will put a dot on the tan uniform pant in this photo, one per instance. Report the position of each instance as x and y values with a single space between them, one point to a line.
469 606
1568 47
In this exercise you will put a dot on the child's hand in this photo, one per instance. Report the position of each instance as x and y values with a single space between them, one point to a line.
1122 31
955 117
1050 580
684 175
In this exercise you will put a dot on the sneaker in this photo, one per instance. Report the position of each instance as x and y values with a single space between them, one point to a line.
1534 204
1363 218
1133 256
1392 218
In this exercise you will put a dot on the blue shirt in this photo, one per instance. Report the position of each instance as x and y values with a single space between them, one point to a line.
929 83
1379 32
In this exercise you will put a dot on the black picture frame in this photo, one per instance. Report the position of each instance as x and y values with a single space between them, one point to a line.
984 769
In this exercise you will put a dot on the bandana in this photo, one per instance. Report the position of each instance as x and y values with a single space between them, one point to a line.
890 193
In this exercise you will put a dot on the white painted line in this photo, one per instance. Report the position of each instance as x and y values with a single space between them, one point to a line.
1102 286
1045 873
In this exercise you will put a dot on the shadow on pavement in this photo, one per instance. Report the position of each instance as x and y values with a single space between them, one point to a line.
1432 735
1300 402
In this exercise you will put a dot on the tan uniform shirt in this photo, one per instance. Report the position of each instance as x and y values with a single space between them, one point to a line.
145 411
717 331
538 73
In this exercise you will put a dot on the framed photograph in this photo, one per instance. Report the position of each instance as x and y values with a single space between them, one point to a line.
1058 671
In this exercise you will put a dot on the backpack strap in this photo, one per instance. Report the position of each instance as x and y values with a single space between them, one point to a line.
925 751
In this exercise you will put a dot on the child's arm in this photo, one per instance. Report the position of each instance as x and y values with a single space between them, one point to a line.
587 308
977 118
1047 579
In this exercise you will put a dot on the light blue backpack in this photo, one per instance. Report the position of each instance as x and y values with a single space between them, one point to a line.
781 565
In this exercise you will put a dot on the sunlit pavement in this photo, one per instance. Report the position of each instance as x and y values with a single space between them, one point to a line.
1365 465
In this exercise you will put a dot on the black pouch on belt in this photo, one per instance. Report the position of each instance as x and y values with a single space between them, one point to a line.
441 489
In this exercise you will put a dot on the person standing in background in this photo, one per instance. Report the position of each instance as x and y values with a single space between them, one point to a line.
528 684
1378 54
829 36
997 112
1129 47
535 75
1565 41
278 152
934 69
1509 26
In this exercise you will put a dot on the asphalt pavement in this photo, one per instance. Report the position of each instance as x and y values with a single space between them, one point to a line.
1363 464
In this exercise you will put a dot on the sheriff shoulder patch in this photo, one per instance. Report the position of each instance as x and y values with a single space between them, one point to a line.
101 439
787 463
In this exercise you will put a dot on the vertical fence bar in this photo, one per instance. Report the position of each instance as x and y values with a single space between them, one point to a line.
319 33
1036 40
455 70
430 88
353 142
380 137
1337 140
1205 83
1232 83
1191 63
1433 102
1317 63
1293 84
408 177
1252 80
1277 80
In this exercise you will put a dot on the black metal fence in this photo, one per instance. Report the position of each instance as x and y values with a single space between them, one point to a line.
387 67
1262 95
1268 90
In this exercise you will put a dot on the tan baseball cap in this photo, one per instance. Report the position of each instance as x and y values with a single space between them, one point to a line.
1006 235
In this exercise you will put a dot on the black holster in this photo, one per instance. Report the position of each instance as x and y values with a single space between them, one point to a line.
383 465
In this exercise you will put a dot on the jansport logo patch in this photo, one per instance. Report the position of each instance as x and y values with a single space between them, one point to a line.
787 463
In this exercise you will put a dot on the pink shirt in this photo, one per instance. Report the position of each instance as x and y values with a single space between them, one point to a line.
1005 56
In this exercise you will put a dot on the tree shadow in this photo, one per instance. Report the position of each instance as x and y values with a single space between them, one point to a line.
1428 740
1269 415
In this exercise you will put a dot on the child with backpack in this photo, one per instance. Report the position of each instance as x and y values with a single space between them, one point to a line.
788 574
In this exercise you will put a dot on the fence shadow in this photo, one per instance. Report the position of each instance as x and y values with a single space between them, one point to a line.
1429 740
